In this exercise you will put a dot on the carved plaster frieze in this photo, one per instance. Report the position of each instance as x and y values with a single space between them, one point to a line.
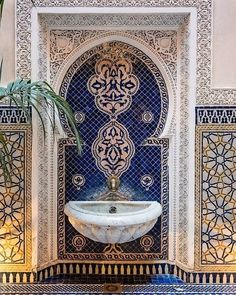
183 148
116 3
66 43
205 95
70 20
45 155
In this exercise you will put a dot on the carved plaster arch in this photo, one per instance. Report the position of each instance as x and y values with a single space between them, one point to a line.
180 174
135 42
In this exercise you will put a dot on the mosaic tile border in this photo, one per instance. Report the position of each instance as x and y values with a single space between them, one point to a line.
126 289
215 115
104 269
132 270
17 277
26 265
84 269
13 115
198 189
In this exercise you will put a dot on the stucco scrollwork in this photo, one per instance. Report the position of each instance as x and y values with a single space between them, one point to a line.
204 92
66 43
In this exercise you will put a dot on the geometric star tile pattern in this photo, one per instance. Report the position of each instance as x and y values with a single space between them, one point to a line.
15 198
218 197
12 204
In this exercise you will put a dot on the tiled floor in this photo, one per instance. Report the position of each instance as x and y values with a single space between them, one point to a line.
161 284
122 279
69 289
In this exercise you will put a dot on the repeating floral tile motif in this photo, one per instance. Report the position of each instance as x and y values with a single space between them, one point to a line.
216 198
15 235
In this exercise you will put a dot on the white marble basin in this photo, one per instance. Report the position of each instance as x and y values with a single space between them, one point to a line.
113 221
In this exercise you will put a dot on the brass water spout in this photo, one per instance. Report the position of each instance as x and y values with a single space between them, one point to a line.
113 183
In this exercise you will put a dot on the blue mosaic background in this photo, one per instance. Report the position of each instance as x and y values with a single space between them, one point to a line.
146 99
147 159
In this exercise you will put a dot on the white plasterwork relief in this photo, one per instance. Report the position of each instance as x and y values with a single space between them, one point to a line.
64 43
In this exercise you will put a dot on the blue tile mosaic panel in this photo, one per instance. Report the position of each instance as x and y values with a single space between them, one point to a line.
120 102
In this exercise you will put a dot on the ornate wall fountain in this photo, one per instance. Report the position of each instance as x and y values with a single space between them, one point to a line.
179 44
120 100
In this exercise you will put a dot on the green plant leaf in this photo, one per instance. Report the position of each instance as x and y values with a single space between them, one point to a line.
5 159
1 65
41 98
1 8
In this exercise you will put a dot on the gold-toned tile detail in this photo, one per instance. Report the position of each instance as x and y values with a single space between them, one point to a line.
216 197
115 288
15 202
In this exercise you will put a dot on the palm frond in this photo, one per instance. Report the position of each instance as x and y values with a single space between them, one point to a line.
1 8
2 5
1 65
42 98
40 95
5 159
